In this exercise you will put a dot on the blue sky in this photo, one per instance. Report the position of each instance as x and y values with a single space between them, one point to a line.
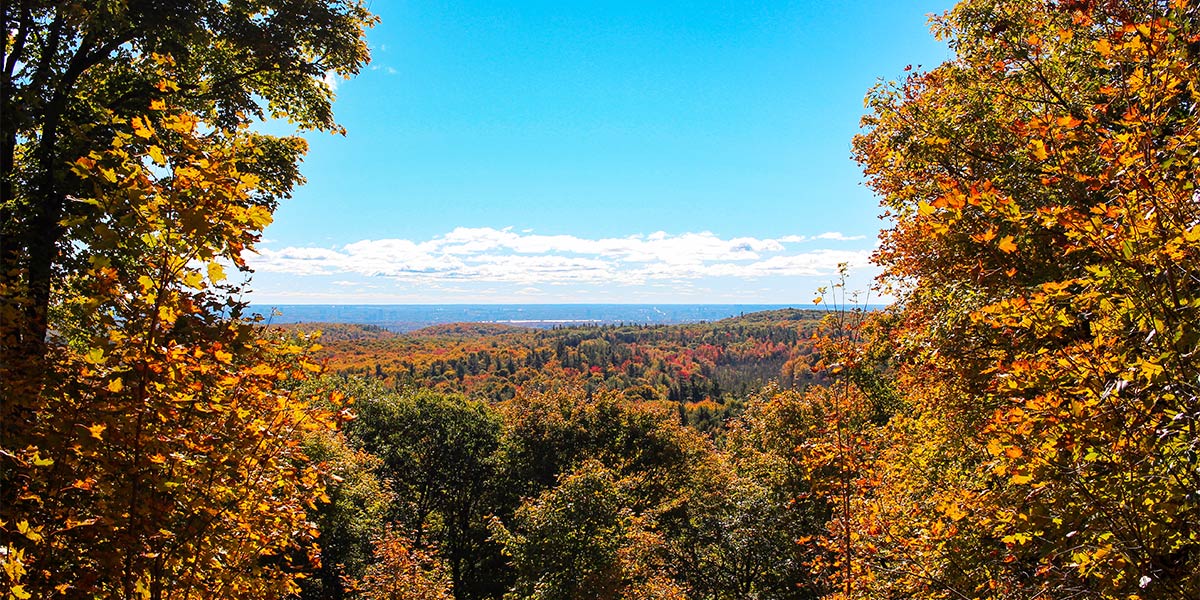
595 152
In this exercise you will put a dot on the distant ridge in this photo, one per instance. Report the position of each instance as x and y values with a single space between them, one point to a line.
467 330
410 317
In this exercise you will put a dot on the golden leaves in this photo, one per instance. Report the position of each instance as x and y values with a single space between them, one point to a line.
97 431
141 127
1007 245
1069 122
1064 348
156 154
985 237
1038 149
216 272
168 211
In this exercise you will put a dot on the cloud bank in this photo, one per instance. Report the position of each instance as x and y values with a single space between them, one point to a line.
486 254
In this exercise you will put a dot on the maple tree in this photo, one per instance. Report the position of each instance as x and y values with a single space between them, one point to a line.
71 67
403 571
1041 187
150 438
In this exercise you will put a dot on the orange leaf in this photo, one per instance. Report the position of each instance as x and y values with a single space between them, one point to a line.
1007 245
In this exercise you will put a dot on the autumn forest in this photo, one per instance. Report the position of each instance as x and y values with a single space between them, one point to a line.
1020 423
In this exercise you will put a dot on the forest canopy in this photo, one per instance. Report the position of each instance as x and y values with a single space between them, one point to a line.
1021 422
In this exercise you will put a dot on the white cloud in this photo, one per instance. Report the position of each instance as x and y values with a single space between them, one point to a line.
827 236
331 79
485 254
837 235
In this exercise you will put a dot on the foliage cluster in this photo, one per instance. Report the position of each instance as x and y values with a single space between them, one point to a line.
565 494
703 370
1044 244
150 439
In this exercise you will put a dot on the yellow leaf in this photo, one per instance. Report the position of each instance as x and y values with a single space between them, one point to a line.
1038 147
30 533
258 216
262 370
1006 245
116 385
954 512
18 591
97 430
141 128
1103 47
1151 370
156 154
215 272
985 237
193 279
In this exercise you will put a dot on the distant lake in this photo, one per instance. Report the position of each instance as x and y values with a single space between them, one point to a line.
406 317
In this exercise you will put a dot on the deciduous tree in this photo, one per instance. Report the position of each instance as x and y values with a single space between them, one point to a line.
1042 189
149 440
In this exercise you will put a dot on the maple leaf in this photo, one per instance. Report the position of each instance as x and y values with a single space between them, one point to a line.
1007 245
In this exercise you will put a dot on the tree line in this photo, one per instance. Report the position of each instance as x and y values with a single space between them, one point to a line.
706 370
